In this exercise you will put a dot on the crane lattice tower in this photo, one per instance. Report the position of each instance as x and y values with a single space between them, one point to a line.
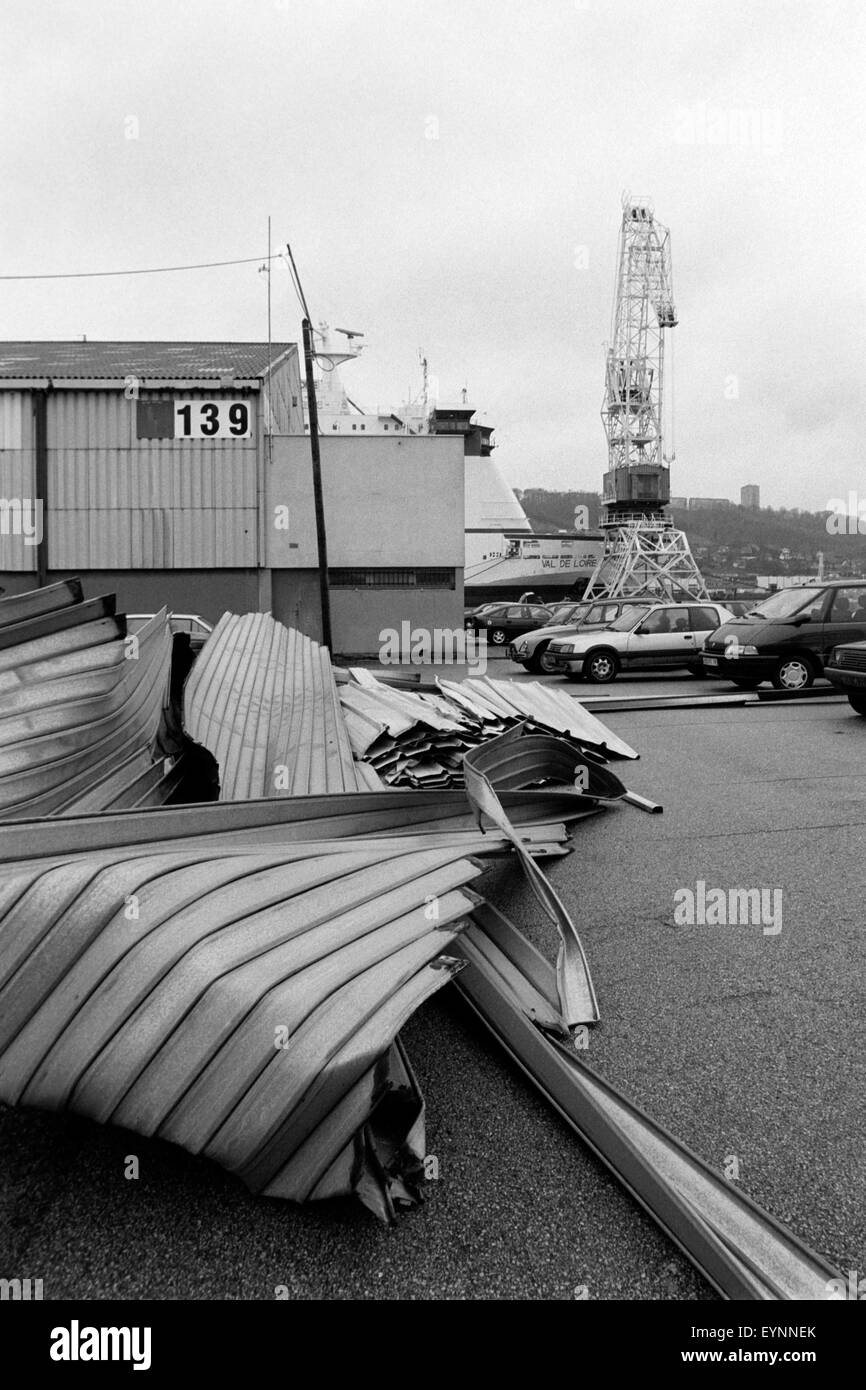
645 556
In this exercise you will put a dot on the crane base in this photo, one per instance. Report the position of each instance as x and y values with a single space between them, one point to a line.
646 559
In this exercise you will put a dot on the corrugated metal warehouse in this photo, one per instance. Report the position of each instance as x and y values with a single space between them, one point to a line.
179 474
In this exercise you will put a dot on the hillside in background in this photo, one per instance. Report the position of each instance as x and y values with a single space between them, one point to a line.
727 540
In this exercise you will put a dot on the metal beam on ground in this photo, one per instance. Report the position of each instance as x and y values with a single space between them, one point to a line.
739 1248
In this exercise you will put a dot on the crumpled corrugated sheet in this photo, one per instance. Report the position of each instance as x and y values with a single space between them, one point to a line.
262 699
80 704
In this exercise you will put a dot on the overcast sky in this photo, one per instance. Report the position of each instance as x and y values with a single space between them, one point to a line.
449 174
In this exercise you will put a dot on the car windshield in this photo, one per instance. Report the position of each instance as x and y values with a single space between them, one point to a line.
628 617
786 603
569 612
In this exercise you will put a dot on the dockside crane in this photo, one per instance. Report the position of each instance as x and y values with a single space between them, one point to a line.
645 556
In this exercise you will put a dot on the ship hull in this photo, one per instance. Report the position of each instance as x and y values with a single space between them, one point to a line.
542 563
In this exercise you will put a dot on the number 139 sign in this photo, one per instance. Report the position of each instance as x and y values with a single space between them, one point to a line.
221 419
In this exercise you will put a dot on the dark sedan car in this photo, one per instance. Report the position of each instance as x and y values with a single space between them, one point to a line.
846 669
507 620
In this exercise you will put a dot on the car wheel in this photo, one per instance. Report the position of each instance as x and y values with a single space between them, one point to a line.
536 661
745 685
600 667
546 663
857 703
794 673
498 637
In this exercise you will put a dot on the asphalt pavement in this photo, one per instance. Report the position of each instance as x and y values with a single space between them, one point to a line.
746 1044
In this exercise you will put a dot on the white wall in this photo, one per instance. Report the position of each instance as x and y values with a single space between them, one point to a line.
388 502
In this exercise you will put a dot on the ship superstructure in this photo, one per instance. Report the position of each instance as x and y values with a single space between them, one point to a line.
503 552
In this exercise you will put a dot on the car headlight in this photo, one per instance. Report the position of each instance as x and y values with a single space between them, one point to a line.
749 651
565 647
520 646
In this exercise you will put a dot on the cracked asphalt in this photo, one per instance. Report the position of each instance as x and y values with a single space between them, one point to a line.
747 1046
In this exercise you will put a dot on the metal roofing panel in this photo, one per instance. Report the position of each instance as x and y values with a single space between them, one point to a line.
70 700
73 643
34 623
70 760
262 699
50 598
577 999
334 950
418 737
280 820
116 360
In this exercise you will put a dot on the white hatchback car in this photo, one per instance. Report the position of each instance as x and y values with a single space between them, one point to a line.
665 637
199 631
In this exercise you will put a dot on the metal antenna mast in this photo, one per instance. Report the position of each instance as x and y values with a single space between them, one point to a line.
644 555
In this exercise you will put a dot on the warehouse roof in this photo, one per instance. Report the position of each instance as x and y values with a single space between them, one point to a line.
166 361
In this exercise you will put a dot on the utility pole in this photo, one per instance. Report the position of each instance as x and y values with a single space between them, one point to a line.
318 500
321 542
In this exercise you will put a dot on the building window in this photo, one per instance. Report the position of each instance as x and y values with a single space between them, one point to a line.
363 427
431 578
154 419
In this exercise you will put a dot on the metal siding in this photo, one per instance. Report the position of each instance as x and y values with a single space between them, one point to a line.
389 502
17 474
163 474
16 420
152 538
90 419
119 502
281 388
15 556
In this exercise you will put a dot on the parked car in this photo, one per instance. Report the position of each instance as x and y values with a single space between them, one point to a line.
199 631
505 620
663 636
846 669
568 612
480 608
788 638
531 650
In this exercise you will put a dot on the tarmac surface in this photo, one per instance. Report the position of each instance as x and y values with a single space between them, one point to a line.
746 1044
